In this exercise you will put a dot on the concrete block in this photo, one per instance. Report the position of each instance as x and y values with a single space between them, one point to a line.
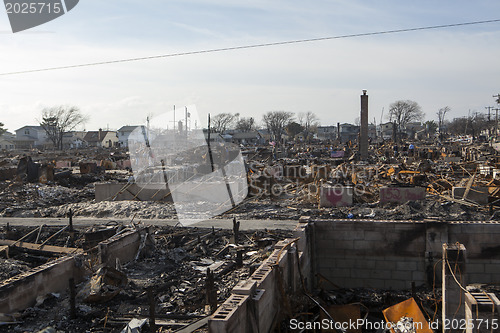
477 194
343 244
354 234
401 194
419 276
231 316
397 284
364 245
245 287
361 273
402 275
473 268
492 269
376 283
63 164
374 236
342 272
365 263
335 196
386 265
481 278
379 273
343 263
406 266
355 283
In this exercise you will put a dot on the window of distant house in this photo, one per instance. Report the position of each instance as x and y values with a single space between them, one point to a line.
27 131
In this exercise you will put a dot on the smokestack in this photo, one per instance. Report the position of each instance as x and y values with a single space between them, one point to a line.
363 132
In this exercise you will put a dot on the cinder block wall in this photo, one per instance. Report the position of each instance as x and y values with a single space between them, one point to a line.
392 254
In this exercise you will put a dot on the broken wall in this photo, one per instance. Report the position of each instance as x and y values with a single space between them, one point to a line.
255 304
20 291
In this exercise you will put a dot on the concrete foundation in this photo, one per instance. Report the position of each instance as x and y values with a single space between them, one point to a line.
335 196
21 291
123 247
392 254
120 192
401 194
255 303
187 192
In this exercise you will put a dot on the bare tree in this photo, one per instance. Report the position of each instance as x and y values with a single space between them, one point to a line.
222 121
276 122
441 115
309 121
471 125
293 128
58 120
430 127
246 124
2 130
404 112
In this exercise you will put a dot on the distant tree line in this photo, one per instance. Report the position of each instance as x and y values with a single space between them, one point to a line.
277 123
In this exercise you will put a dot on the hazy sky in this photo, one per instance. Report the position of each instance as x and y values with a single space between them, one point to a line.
456 67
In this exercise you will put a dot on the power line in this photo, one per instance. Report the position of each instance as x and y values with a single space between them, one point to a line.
250 47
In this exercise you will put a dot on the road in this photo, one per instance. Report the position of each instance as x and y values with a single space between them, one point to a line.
216 223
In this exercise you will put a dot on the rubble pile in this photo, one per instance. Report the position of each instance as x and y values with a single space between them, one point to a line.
173 269
458 181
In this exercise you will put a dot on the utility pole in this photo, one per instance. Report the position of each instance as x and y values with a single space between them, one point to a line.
186 120
496 122
489 109
489 120
497 97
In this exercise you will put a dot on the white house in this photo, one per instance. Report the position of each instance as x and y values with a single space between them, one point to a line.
327 132
123 135
6 144
28 137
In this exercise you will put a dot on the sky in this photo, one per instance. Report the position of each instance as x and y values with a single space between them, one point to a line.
456 67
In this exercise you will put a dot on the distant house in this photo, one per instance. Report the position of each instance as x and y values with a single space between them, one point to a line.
413 128
372 131
327 133
214 137
265 134
123 135
28 137
6 144
386 130
348 132
300 136
104 139
73 140
248 138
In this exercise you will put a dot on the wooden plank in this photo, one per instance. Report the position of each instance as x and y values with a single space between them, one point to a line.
194 326
469 184
37 247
